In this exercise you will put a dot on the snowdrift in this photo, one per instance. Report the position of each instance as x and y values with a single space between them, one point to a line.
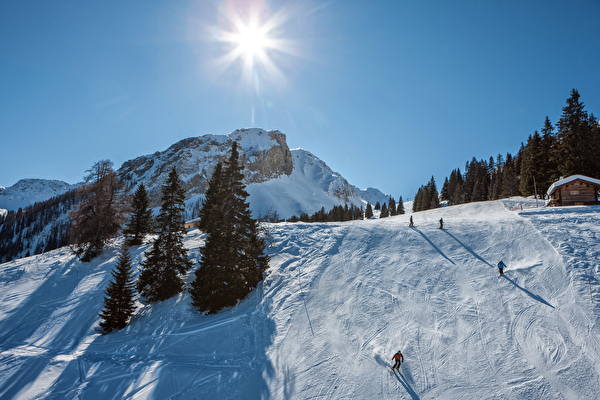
338 301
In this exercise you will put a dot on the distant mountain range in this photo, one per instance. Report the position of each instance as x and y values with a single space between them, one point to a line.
280 181
27 192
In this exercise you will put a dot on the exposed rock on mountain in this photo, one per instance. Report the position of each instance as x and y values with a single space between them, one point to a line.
279 180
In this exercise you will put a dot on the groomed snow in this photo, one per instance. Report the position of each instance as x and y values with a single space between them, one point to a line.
338 301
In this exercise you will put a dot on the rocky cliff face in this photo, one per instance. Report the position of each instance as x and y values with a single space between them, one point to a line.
279 180
265 156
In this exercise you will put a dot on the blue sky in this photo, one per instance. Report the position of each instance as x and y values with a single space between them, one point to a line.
387 93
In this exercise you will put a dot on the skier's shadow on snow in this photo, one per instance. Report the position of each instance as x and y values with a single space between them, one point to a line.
470 250
533 296
433 245
399 376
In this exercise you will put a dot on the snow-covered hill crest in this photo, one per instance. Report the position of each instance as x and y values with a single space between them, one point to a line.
336 304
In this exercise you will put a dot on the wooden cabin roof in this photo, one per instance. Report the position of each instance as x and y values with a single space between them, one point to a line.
562 182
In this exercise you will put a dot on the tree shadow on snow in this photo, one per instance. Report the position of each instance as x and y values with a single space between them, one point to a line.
533 296
173 352
48 324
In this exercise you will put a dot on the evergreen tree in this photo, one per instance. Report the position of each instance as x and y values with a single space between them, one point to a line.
212 206
384 211
498 178
445 192
548 172
421 198
369 211
233 259
510 182
469 181
167 260
531 165
140 220
400 206
433 195
377 206
392 210
119 304
573 150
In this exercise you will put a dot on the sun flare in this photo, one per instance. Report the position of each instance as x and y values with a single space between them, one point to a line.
251 41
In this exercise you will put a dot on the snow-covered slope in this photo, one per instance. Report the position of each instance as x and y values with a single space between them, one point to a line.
28 191
310 186
338 301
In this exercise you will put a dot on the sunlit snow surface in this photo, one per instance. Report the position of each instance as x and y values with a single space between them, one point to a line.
338 301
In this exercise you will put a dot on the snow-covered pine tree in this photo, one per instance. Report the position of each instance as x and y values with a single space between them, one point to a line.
160 276
119 303
233 259
140 219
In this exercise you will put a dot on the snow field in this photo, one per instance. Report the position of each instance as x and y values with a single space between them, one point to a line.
337 302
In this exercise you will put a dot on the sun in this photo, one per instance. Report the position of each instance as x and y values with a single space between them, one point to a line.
251 40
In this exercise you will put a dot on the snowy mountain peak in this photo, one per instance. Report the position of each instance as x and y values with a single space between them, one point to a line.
27 192
277 178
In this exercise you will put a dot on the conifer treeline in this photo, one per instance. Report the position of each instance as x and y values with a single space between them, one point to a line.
570 147
19 229
483 180
427 197
352 212
336 214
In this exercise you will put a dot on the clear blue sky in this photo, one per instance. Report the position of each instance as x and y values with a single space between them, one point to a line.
387 93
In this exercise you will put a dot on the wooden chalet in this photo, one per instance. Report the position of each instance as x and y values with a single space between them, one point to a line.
575 190
192 224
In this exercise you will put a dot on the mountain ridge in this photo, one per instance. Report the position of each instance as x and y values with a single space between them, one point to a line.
266 158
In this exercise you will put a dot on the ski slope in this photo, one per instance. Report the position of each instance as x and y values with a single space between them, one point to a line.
338 301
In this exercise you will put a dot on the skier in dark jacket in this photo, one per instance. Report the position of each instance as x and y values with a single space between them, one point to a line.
399 358
501 266
441 223
410 225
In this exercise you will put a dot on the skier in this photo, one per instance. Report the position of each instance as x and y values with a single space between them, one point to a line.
441 223
399 358
411 222
501 266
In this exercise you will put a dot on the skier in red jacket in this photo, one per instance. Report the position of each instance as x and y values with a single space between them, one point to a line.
399 358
